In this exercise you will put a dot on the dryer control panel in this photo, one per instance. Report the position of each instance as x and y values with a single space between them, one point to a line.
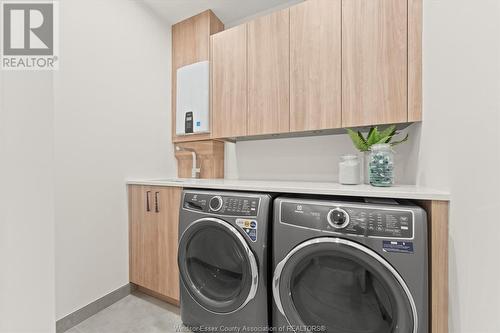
221 204
350 219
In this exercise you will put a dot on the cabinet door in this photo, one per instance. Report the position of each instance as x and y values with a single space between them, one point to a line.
269 74
229 82
153 234
315 65
374 62
143 239
167 208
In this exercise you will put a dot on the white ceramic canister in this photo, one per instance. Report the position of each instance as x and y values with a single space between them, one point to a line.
349 170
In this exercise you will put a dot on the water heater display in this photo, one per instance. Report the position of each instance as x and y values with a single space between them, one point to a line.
188 125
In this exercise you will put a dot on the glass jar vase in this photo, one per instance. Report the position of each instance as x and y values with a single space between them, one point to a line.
381 165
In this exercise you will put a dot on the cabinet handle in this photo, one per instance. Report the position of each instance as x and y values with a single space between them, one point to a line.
148 208
157 205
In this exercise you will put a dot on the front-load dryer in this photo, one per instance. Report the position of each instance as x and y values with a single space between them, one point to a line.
349 267
223 260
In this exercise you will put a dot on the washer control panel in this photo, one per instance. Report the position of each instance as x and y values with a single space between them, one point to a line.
350 219
221 204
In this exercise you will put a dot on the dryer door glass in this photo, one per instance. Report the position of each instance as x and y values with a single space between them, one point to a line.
342 287
216 265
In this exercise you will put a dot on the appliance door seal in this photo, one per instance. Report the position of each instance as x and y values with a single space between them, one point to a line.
217 266
343 285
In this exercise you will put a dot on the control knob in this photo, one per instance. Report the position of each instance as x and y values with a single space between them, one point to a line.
215 203
338 218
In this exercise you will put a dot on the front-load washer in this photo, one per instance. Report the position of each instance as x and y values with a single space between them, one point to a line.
223 260
349 266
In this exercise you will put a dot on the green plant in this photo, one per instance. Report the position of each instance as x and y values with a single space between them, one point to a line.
374 137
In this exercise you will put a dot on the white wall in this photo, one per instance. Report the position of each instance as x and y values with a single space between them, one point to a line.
310 158
269 10
112 123
26 202
461 141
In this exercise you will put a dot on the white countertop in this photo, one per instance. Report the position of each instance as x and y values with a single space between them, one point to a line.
324 188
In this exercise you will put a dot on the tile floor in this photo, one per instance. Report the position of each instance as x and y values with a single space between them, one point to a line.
136 313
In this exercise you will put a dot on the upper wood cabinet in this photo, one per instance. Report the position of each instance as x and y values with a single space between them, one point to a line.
269 74
415 13
191 44
374 62
153 238
315 65
321 64
229 83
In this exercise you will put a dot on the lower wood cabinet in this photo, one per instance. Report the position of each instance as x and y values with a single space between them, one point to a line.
153 238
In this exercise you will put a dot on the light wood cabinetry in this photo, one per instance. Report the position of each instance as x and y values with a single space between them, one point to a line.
143 254
269 74
167 219
229 82
191 44
415 12
437 226
153 238
374 62
315 65
209 155
321 64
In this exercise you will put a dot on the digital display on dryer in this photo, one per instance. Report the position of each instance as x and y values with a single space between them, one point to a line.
307 216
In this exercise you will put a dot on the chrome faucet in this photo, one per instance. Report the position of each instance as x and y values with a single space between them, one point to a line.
195 172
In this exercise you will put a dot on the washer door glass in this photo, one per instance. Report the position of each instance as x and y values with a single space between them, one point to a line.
343 287
216 265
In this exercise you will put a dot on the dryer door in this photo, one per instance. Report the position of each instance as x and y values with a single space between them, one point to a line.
335 285
217 267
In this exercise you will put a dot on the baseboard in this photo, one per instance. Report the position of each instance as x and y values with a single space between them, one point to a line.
73 319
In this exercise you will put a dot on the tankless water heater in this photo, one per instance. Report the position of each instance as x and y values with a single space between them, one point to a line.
192 102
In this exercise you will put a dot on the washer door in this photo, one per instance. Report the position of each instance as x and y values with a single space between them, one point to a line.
342 287
216 266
